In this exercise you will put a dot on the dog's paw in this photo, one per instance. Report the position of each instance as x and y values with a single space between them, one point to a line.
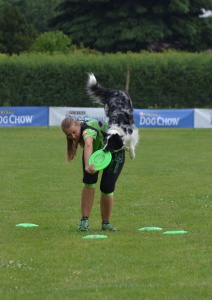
132 153
126 148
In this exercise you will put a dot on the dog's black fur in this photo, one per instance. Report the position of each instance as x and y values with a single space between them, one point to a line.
119 110
113 142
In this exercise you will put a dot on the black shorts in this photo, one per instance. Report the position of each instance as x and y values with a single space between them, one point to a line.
109 174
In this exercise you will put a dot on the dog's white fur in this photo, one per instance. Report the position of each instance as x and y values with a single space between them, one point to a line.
119 110
131 138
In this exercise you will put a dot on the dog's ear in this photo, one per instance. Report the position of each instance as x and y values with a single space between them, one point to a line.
105 134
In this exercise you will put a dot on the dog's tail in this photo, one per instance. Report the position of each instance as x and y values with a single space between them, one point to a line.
98 93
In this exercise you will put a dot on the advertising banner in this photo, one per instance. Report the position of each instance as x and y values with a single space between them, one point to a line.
203 118
170 118
144 118
24 116
57 114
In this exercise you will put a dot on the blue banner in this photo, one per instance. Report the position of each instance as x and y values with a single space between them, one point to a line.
172 118
24 116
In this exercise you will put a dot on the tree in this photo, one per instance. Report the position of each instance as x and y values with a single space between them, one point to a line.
38 12
123 25
16 35
51 42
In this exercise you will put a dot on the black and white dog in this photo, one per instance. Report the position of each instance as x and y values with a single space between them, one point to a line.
119 110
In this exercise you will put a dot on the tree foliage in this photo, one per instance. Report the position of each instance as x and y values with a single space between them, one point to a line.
108 25
16 35
38 12
123 25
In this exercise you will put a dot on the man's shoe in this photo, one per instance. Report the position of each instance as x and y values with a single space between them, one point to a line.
108 226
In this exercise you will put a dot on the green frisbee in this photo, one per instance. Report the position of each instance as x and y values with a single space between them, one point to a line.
95 236
150 228
26 225
100 159
175 232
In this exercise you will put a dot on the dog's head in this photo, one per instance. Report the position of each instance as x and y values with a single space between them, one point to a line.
113 142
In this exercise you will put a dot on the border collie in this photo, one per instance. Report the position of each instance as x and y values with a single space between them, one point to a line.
119 110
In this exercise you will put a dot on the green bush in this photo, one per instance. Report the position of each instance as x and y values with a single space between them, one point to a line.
165 80
52 41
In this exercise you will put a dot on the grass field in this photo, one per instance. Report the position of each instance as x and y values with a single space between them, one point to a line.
168 185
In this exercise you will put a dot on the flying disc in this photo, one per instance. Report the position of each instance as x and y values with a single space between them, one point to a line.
95 236
100 159
26 225
175 232
149 228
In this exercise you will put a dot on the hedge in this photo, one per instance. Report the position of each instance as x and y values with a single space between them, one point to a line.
164 80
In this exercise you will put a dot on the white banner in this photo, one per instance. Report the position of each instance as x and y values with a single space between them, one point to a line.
57 114
203 118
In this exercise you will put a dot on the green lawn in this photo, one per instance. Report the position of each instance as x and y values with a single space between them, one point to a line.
168 185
